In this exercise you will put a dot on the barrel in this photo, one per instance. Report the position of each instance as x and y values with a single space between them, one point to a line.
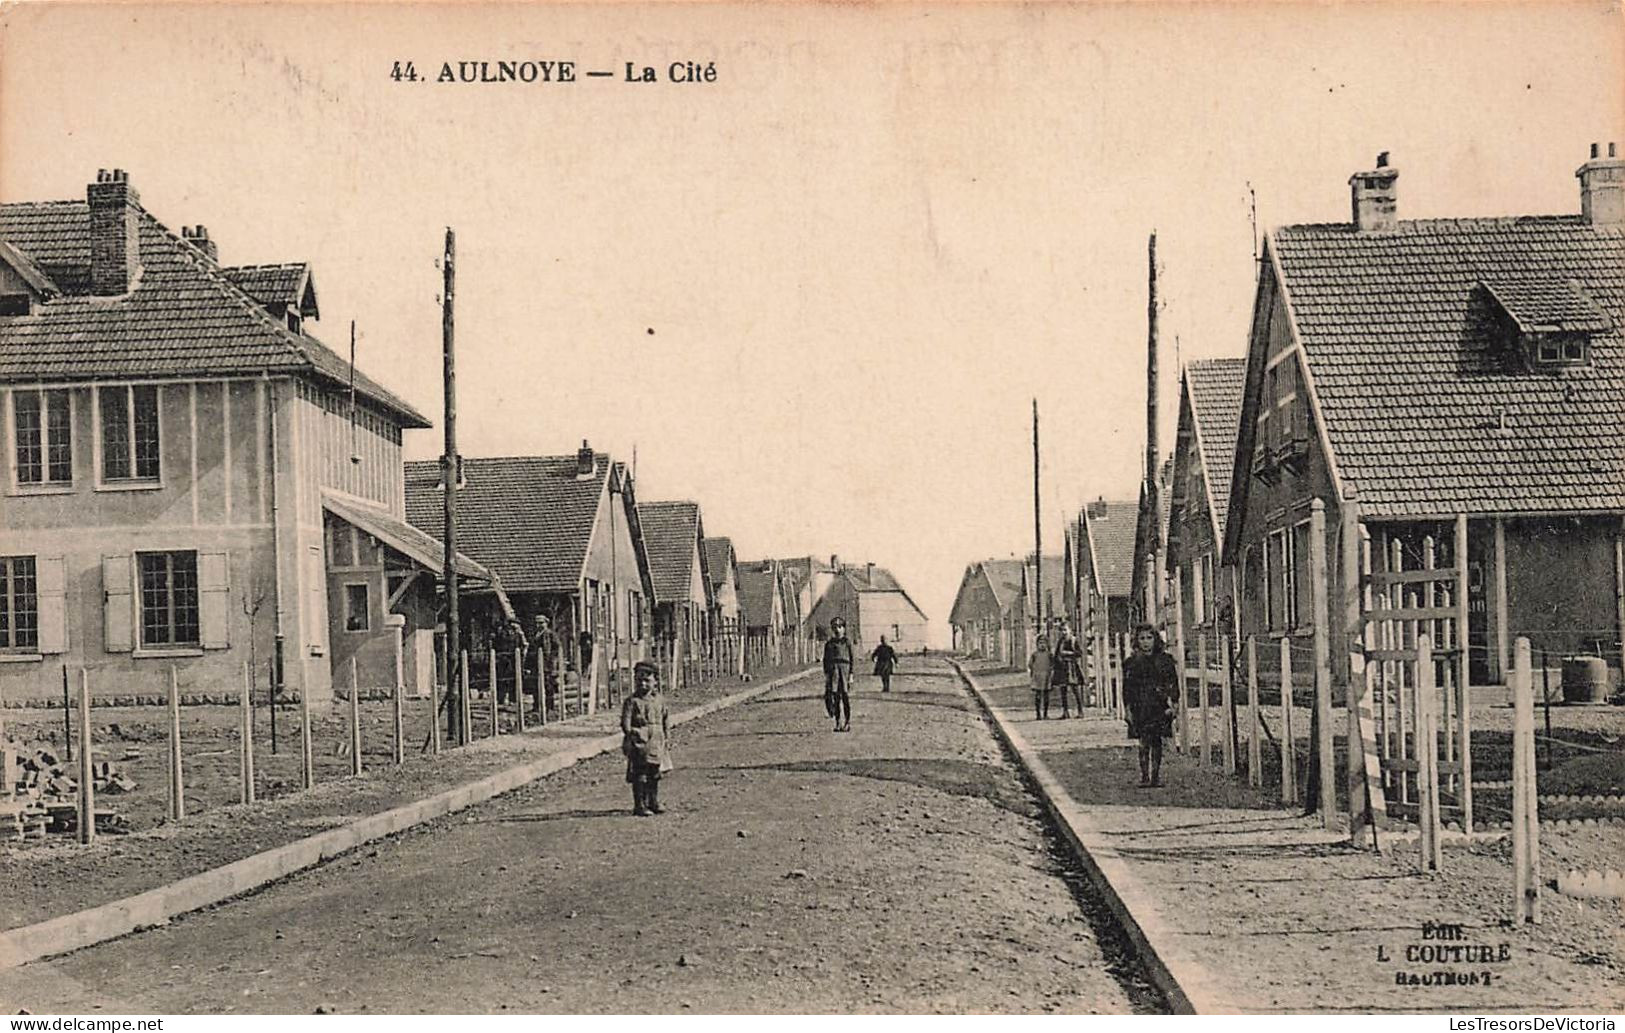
1585 679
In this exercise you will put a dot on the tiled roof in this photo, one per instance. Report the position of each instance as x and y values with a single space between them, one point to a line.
529 518
719 552
1547 304
868 578
1004 577
757 583
1111 541
285 284
1216 387
183 317
31 273
1413 383
671 534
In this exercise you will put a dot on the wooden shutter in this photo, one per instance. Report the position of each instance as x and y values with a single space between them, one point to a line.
213 599
118 604
51 586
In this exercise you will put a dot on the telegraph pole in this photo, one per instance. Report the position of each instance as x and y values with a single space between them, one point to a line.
1038 535
1150 515
449 465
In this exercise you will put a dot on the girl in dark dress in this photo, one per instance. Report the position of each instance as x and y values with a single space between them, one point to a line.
1150 687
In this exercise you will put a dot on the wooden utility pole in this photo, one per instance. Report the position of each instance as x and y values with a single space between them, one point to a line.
1038 542
449 469
1150 515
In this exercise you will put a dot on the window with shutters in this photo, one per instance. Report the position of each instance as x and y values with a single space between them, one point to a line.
169 598
42 433
19 605
127 415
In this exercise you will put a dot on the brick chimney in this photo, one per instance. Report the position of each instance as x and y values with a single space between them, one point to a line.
834 563
585 466
1602 188
115 233
198 237
869 573
1373 195
1097 509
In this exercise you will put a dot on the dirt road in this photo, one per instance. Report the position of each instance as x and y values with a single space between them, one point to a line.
898 868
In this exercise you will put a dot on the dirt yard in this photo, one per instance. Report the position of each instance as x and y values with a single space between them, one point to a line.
41 879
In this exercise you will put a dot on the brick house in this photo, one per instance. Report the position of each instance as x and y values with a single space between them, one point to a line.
1437 377
562 533
188 481
1210 393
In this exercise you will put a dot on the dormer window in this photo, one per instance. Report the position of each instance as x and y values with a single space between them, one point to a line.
1546 323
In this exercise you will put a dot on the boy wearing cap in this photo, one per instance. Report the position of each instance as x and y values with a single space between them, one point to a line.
643 731
838 675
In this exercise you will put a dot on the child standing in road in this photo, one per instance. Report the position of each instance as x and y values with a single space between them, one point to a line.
1038 666
643 731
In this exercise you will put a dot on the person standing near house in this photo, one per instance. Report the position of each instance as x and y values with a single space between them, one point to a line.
547 660
885 658
1066 669
1038 667
838 675
1150 686
643 739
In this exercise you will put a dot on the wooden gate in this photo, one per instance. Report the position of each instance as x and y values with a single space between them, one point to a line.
1406 594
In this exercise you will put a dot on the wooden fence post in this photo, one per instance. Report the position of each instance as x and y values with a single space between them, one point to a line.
307 748
518 689
1403 746
1464 712
491 687
1525 798
440 679
1289 745
177 783
1427 742
1255 748
465 704
246 767
397 700
87 767
541 688
355 717
1182 730
1201 687
1227 723
1319 595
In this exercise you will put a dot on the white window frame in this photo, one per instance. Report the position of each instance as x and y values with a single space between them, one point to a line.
189 645
132 482
8 646
46 486
1299 625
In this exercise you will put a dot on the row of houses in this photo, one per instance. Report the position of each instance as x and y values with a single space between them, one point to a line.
195 482
1447 392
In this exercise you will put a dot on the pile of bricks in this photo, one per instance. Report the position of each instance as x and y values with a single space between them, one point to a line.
41 795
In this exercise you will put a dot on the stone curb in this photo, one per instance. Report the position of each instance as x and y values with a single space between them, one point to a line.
157 906
1189 986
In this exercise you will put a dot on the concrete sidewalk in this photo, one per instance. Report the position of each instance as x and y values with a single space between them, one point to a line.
1249 907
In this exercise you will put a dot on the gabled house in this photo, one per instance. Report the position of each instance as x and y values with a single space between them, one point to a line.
1441 378
672 533
873 603
189 481
763 591
1150 578
722 567
809 578
1106 533
985 610
1210 394
562 533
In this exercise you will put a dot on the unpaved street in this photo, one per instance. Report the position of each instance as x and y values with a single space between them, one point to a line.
898 868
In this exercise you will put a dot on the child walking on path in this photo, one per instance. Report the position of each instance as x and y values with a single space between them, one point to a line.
643 731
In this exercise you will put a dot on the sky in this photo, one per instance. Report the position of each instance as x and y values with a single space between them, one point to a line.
819 294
